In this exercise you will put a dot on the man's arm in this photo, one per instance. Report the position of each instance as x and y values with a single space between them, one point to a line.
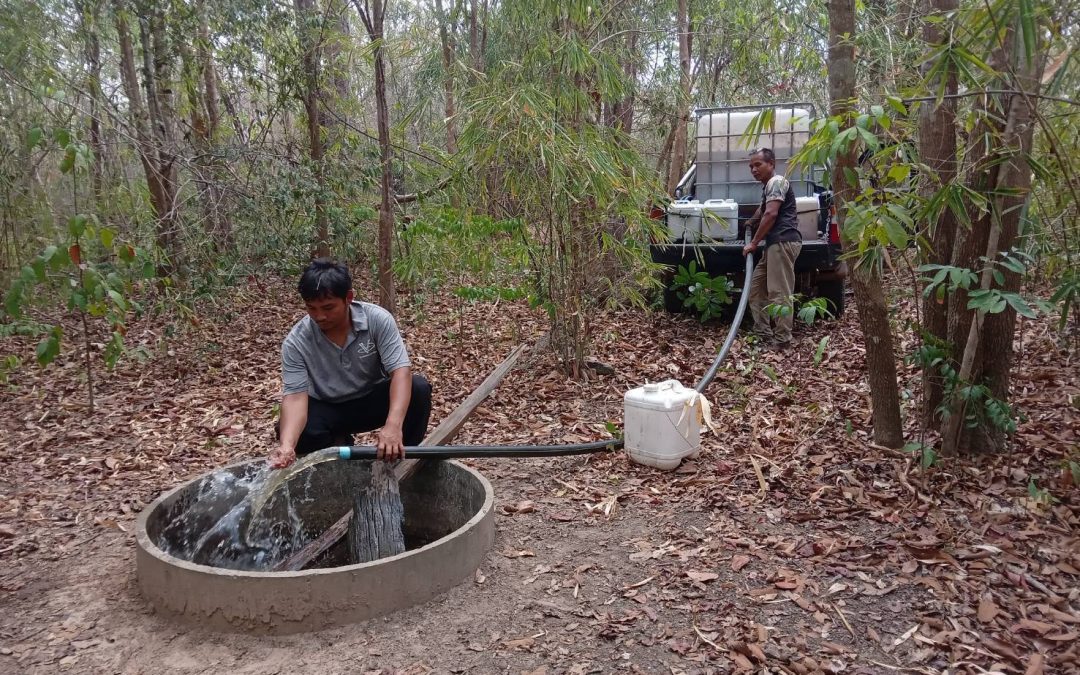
768 218
294 409
754 219
390 445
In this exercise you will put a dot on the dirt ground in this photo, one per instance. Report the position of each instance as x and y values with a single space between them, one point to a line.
791 545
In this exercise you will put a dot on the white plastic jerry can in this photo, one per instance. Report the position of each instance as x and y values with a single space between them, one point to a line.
661 425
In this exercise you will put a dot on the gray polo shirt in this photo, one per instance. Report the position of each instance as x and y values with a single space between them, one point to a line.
312 363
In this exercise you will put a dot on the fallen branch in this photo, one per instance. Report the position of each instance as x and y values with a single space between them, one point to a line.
442 435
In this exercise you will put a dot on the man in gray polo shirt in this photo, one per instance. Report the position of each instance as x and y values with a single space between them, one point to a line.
345 370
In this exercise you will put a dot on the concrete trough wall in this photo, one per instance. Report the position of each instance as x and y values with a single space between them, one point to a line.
446 503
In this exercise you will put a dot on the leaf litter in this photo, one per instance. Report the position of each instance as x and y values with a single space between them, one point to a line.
792 544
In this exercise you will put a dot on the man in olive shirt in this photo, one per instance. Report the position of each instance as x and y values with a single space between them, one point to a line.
345 370
776 223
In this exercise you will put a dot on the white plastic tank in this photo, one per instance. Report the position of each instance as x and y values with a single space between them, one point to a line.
660 422
723 170
809 211
695 222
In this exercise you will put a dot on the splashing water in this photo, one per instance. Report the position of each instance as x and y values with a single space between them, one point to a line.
242 521
278 478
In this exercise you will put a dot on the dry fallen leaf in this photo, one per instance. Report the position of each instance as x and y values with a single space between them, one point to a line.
987 609
739 561
702 576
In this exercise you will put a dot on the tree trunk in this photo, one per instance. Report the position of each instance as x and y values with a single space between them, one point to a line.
89 15
662 162
1008 182
937 147
678 149
624 109
154 128
222 224
373 22
311 46
865 279
448 48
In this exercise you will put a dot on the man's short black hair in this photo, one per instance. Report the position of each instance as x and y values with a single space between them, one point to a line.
324 278
767 153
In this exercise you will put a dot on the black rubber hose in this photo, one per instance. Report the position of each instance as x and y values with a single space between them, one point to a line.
744 298
459 451
369 452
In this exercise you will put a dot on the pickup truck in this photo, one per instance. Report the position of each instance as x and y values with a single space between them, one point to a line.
706 221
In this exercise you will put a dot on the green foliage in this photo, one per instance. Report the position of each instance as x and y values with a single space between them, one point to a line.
533 143
809 310
89 267
706 295
1066 295
814 309
819 353
480 257
947 279
926 454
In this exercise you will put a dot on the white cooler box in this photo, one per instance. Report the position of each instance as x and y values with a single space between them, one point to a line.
696 222
809 209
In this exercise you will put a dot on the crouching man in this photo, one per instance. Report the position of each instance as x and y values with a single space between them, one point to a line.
345 370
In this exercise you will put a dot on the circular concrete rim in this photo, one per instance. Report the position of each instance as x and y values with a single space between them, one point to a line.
476 536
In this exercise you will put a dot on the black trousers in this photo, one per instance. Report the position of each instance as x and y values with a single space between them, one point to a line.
331 424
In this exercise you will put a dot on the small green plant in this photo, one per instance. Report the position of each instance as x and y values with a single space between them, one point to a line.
91 268
8 365
614 429
809 310
1040 496
926 454
819 353
706 295
814 309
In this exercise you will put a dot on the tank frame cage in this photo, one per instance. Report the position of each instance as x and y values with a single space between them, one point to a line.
718 172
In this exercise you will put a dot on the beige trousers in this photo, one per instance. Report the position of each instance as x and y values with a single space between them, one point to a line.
773 283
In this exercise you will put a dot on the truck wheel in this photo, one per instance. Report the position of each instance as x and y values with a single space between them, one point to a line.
672 303
833 292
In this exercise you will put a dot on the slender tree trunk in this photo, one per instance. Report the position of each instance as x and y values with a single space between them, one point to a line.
89 15
662 162
153 126
373 16
208 75
476 54
305 16
625 108
865 279
678 150
937 147
448 48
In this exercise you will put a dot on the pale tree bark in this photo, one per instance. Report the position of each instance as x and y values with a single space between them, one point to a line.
372 13
311 46
200 83
937 148
335 117
153 121
865 277
678 148
222 224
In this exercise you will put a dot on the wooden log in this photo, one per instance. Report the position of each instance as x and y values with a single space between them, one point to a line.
442 435
375 529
